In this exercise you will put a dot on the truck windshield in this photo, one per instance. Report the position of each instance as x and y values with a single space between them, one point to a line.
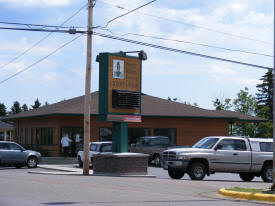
93 147
206 143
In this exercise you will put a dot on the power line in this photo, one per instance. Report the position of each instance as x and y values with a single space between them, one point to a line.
187 42
131 11
71 31
193 25
40 25
41 40
179 51
40 60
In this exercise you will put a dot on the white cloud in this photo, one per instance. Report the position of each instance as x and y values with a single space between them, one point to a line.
224 74
29 3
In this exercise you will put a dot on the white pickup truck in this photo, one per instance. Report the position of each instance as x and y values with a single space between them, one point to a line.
249 157
95 148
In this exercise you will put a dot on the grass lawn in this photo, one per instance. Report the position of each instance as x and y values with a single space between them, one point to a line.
239 189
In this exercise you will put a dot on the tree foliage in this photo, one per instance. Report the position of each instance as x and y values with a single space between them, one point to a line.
25 108
16 108
264 96
244 103
221 104
37 104
3 110
264 109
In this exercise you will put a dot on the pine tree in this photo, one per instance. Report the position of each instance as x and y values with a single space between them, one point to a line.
37 104
25 108
264 109
16 108
3 110
264 96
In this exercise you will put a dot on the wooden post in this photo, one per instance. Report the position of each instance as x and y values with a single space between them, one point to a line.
87 103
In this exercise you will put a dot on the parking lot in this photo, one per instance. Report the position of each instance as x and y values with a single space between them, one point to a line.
19 187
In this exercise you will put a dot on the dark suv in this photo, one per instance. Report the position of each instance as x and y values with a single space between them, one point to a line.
153 146
14 154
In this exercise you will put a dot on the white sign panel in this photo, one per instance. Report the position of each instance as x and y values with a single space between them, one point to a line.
118 69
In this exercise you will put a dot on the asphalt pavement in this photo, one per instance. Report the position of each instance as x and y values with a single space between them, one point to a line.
19 187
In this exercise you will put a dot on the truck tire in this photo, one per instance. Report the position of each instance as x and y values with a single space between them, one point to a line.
197 171
175 174
267 173
157 160
80 163
247 177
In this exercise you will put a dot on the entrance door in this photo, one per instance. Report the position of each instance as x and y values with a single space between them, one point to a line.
76 135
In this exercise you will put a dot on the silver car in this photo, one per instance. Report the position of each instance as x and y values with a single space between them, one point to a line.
14 154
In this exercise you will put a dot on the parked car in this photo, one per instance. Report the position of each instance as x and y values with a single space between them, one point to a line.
153 146
249 157
14 154
95 148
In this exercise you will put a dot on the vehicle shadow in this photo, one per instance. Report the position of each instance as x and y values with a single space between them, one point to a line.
222 180
12 168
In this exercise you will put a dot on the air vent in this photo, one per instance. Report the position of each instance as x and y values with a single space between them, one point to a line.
125 99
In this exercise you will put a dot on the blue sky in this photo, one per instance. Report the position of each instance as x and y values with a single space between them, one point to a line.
188 78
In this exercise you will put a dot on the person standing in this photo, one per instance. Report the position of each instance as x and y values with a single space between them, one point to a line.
65 142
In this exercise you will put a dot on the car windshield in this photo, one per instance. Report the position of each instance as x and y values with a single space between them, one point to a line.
206 143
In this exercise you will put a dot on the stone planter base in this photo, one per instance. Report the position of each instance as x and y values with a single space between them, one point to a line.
120 164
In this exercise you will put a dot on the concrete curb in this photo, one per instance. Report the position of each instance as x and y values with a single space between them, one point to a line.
247 195
59 170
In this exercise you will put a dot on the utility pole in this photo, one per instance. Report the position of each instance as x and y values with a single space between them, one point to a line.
87 103
273 174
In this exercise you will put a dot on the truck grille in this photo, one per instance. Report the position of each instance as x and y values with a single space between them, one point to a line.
169 155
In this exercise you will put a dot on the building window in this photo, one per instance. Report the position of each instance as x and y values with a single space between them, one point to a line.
105 134
50 132
2 136
43 136
135 133
21 136
31 136
37 136
26 136
168 132
15 134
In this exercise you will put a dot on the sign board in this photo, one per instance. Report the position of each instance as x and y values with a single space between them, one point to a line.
119 86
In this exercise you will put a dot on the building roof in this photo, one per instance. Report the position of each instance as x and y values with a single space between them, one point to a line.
5 126
150 106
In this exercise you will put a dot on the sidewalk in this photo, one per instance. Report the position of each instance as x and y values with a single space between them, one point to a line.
57 169
73 169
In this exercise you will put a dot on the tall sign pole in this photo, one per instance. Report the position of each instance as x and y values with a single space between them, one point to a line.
273 175
87 103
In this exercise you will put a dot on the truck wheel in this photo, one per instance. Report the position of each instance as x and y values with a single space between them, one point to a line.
157 160
197 171
247 177
175 174
267 174
80 163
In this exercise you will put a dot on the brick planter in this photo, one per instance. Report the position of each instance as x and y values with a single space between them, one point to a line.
118 164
